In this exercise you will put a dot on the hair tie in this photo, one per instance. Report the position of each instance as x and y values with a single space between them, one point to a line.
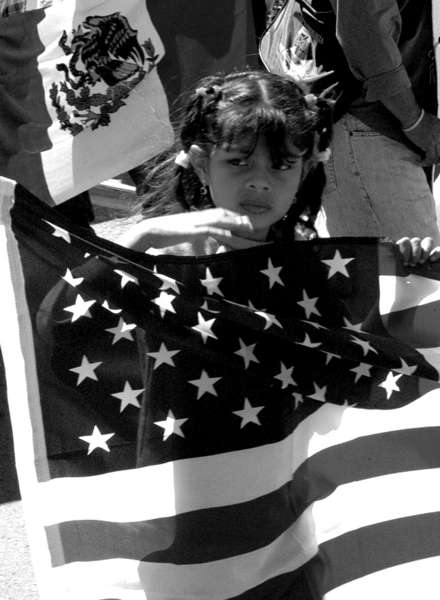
311 100
323 156
182 159
211 90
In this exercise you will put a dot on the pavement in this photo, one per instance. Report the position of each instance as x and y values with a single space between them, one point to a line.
16 575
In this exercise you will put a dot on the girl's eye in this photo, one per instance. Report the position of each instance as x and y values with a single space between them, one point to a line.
284 166
238 162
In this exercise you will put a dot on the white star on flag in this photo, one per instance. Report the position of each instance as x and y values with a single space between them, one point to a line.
351 326
126 278
252 307
299 399
128 396
319 393
307 342
164 302
59 232
270 319
163 356
122 331
285 376
329 356
390 384
406 369
205 384
71 280
211 283
247 353
204 327
86 370
365 345
314 324
211 310
309 305
273 273
115 311
362 370
337 265
248 414
97 440
80 308
348 404
171 425
168 283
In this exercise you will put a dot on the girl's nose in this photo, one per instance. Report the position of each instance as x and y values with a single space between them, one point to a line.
258 183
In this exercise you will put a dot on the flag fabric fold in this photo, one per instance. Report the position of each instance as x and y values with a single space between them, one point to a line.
254 424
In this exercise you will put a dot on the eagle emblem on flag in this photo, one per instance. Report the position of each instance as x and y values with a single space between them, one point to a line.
106 62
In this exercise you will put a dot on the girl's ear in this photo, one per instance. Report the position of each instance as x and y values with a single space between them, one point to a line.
199 160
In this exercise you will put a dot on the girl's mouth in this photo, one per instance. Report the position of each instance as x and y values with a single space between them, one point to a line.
254 207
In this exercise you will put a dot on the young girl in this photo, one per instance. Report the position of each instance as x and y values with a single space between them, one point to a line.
247 169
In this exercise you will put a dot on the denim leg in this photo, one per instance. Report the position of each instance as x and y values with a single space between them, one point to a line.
375 187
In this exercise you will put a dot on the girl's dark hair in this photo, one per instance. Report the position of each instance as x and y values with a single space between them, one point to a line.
238 109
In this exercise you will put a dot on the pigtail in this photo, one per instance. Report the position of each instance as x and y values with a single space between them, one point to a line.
201 109
300 219
171 184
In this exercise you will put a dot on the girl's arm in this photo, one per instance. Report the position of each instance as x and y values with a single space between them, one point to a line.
227 227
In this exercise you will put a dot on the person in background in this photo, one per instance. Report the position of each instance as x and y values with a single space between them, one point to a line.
380 54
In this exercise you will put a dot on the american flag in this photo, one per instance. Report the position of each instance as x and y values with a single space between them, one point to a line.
255 424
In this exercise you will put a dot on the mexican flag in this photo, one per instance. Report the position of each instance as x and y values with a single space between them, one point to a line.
86 86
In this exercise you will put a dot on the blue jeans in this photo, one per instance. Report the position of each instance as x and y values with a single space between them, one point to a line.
374 187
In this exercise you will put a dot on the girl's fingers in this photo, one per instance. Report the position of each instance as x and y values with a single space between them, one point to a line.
225 219
434 254
427 244
404 245
416 251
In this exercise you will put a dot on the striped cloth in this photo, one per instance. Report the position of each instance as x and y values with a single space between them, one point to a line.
256 424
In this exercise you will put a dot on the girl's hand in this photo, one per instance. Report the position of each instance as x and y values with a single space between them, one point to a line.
227 227
416 251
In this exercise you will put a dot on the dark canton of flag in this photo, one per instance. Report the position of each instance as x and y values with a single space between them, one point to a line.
222 426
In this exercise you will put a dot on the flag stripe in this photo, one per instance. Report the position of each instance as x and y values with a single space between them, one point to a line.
183 539
196 537
378 547
215 580
264 469
116 579
378 455
416 326
400 293
280 587
389 497
92 580
230 577
415 579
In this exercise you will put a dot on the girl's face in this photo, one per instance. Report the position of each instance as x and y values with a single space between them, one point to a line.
252 185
